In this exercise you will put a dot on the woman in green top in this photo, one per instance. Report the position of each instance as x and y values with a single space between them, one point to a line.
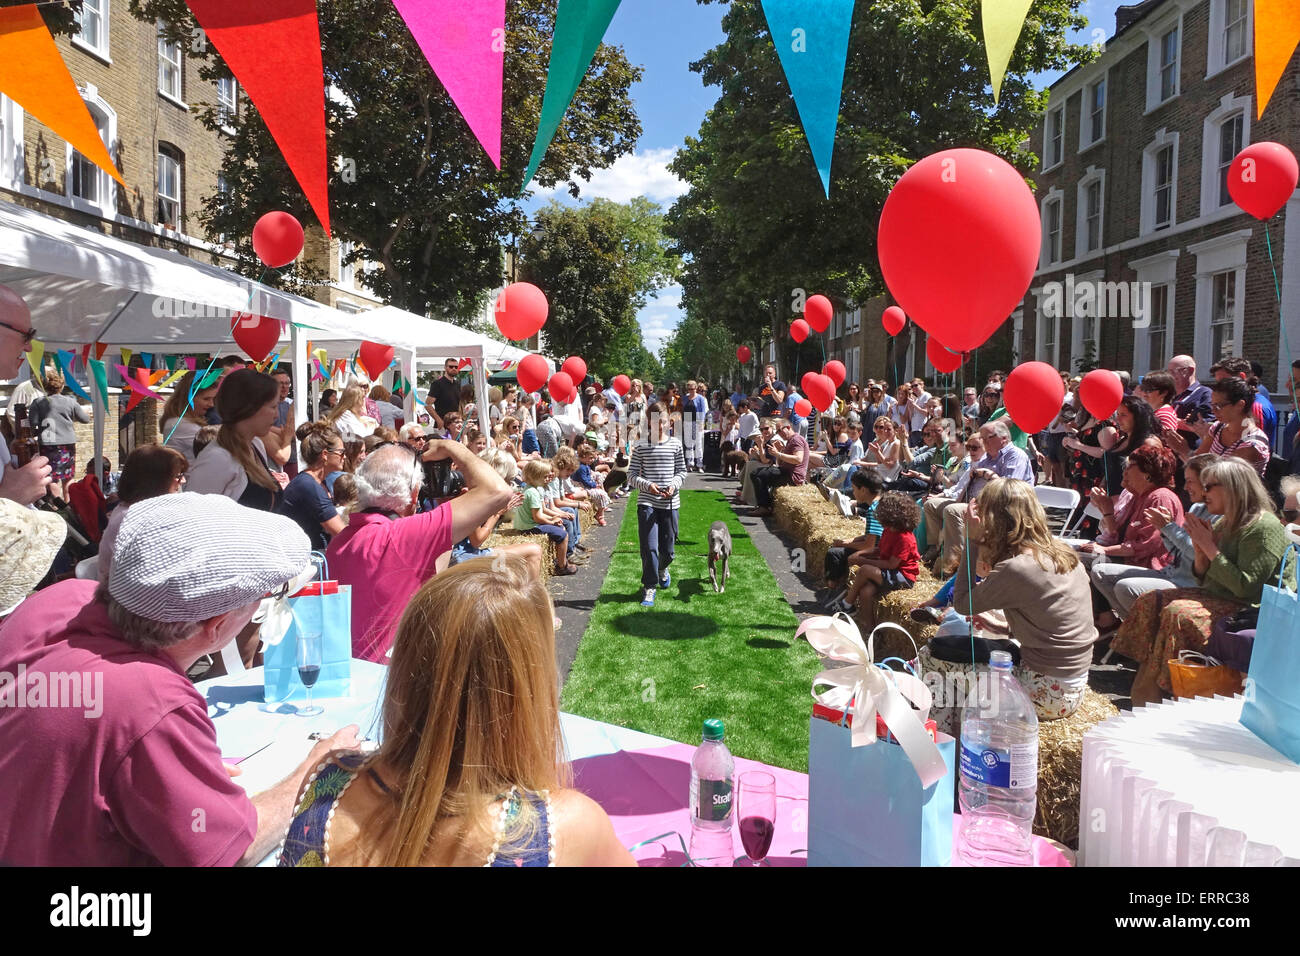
1235 558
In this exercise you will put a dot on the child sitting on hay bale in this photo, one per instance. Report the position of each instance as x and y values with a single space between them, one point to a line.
896 561
842 555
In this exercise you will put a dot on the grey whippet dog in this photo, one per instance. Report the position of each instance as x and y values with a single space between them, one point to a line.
719 550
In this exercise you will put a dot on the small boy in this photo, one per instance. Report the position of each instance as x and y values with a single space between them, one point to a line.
588 477
868 486
896 562
554 496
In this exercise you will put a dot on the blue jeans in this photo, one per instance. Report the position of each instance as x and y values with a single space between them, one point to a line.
572 527
657 529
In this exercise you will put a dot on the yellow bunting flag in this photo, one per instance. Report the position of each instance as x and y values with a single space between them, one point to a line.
34 76
1002 21
322 355
1277 34
175 376
35 356
126 357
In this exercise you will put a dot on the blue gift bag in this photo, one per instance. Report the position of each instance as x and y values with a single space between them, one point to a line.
1272 697
866 805
324 606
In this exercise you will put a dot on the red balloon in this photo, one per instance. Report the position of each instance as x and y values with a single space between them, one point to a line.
743 355
803 408
256 334
894 320
575 368
819 389
942 358
531 372
572 397
1101 391
799 330
959 241
376 358
622 384
1262 178
836 372
277 239
1033 394
521 311
818 311
560 386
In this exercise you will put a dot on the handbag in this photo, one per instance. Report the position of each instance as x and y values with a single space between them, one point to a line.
1195 674
323 607
1272 696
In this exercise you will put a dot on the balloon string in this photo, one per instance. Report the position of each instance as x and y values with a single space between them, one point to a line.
194 385
1281 320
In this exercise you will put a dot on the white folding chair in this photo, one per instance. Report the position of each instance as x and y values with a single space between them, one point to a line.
1057 499
1072 533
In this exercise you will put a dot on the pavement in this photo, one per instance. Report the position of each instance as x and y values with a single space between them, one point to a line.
575 596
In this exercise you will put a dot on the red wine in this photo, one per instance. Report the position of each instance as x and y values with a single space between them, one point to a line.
308 674
756 836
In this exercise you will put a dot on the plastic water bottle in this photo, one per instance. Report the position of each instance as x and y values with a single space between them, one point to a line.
712 774
999 772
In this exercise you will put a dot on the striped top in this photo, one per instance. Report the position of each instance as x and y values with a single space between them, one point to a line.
663 465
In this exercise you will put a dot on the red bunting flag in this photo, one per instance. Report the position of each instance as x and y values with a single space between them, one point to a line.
273 48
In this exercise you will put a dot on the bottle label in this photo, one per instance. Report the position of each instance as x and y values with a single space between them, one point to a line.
714 803
1015 768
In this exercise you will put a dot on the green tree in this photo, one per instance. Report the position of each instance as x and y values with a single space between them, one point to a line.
702 351
597 263
755 230
627 355
411 186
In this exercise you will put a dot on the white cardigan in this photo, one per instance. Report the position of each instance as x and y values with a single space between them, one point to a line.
216 472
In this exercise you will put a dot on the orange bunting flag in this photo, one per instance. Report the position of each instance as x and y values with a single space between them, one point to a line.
35 77
1277 34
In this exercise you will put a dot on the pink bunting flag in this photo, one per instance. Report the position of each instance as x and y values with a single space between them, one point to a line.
465 44
191 362
136 380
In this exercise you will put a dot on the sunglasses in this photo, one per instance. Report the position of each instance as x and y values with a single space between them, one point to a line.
27 336
415 455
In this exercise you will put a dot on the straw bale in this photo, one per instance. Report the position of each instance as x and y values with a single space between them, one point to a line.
1060 768
813 522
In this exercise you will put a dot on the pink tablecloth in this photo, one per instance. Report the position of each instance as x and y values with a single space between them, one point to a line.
646 792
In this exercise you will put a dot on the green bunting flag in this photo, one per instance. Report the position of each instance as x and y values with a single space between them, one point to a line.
579 27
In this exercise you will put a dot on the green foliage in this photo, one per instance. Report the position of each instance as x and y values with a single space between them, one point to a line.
1086 362
755 227
627 355
410 185
702 351
597 263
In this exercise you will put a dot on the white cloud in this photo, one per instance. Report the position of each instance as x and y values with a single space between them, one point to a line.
660 317
634 174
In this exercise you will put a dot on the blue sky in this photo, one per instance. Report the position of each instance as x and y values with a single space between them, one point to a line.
664 37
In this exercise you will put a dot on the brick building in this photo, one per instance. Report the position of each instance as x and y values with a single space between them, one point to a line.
1134 150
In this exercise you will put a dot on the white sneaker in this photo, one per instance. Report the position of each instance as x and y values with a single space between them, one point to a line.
649 599
845 504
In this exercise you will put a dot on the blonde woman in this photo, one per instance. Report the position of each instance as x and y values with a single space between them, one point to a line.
490 788
349 415
182 419
1041 589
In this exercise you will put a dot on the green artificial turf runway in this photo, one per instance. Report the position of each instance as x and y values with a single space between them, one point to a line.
697 654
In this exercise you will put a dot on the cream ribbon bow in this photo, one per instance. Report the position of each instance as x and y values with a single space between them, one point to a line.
873 690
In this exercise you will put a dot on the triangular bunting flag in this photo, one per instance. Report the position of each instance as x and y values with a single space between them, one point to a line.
210 378
85 357
175 376
146 358
35 77
273 48
464 42
100 375
157 376
34 357
136 380
321 356
1277 34
100 349
1002 21
579 27
171 361
65 366
812 41
126 356
191 362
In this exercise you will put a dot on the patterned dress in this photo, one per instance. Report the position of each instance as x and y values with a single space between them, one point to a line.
1181 619
1087 473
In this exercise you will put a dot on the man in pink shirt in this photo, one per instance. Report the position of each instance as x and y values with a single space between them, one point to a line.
107 752
388 549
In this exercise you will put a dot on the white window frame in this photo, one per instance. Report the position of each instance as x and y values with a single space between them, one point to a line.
1081 248
1148 213
1045 257
1077 321
178 96
1155 44
347 273
101 49
1229 105
1221 254
1160 269
106 185
159 155
12 166
1017 335
231 117
1041 322
1216 47
1047 148
1085 111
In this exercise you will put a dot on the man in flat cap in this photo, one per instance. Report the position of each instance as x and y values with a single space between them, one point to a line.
126 770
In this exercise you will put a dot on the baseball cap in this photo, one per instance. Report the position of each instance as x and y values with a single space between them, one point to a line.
29 542
190 557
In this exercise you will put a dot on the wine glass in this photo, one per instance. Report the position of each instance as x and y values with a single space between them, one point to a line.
757 814
309 662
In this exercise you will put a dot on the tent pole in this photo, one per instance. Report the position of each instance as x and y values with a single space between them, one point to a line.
481 391
409 373
298 349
